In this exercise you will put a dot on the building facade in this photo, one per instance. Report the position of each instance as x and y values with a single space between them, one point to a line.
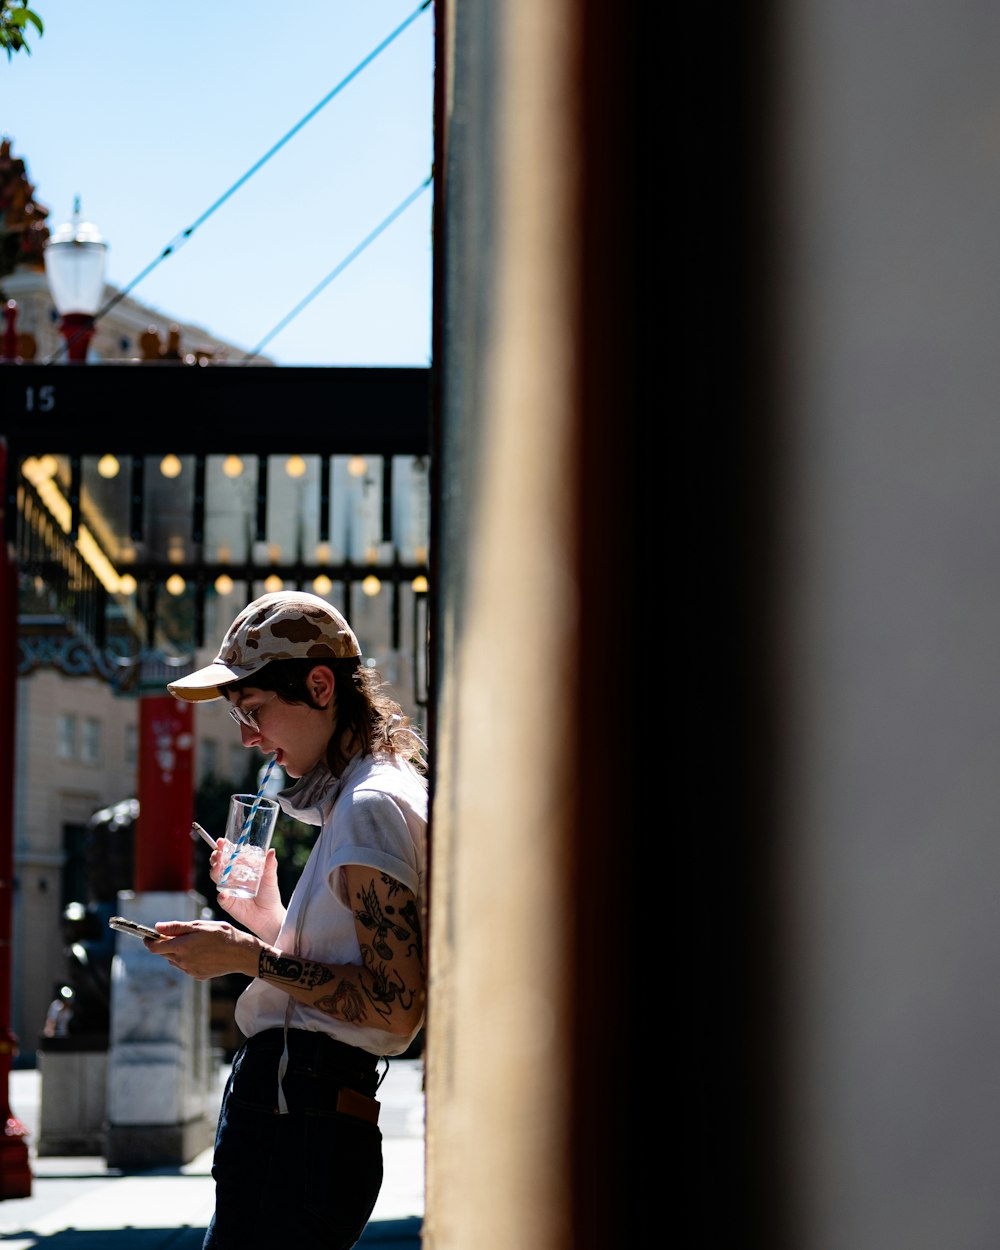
78 699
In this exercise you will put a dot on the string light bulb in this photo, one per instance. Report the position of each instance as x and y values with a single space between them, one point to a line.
322 584
175 584
170 466
357 466
108 466
232 466
371 586
38 470
224 584
419 584
295 466
273 583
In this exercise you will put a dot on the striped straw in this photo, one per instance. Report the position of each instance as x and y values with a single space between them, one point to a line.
245 831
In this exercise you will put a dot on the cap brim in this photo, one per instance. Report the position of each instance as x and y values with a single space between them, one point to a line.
204 685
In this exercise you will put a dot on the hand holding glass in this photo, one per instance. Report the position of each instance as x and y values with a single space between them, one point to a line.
249 829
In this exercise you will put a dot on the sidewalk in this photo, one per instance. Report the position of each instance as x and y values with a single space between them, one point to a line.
77 1203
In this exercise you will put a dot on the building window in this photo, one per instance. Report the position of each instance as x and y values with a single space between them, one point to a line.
66 736
90 742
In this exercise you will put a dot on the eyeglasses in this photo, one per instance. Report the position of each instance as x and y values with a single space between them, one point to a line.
247 718
244 718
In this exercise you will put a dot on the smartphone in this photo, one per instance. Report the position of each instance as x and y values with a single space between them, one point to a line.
133 927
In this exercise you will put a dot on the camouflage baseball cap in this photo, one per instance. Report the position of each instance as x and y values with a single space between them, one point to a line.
285 625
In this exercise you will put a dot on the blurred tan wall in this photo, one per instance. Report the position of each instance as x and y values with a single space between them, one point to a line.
531 1020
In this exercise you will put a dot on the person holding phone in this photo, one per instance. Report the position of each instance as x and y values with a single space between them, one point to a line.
339 978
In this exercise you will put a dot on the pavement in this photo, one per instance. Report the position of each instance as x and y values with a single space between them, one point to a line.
78 1203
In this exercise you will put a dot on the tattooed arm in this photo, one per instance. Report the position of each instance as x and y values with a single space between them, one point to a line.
387 991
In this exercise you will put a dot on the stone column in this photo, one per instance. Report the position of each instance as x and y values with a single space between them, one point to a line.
162 1103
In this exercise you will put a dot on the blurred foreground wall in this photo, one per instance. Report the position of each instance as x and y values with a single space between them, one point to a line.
859 1044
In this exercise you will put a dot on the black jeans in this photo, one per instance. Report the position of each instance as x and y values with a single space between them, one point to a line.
308 1179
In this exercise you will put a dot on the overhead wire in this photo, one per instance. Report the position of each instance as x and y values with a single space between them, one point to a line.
339 268
179 240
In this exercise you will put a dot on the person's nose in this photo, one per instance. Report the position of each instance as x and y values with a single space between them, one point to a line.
249 737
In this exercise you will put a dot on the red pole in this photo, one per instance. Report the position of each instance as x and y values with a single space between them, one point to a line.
15 1170
77 329
10 331
163 847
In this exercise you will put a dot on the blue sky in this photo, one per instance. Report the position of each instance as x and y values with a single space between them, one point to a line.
151 112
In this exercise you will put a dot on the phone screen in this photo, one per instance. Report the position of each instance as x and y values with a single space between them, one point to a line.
123 925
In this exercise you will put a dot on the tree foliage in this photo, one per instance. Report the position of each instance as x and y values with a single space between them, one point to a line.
15 17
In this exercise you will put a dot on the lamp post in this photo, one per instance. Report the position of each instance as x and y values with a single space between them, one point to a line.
75 255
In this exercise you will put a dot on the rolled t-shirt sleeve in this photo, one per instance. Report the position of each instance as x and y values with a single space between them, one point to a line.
372 830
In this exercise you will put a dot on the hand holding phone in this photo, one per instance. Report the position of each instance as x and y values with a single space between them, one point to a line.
132 926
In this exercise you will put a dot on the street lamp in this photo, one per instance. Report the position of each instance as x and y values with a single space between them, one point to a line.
75 255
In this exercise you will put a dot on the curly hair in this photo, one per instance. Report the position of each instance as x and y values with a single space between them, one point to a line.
364 711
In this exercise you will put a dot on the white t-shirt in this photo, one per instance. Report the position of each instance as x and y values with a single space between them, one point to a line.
374 814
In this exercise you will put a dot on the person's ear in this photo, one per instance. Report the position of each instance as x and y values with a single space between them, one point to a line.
322 684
